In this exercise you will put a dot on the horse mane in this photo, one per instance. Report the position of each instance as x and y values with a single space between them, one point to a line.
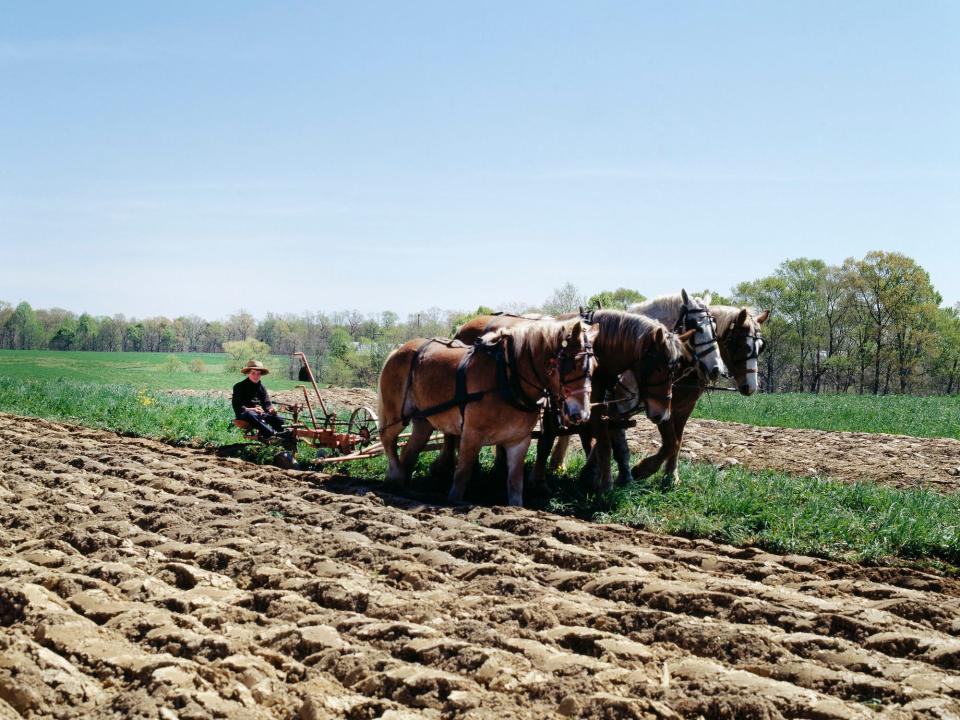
663 308
524 316
627 331
536 337
725 315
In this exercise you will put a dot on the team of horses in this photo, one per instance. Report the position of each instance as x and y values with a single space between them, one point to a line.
586 373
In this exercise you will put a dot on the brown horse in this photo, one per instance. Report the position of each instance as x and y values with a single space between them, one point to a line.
644 346
738 335
678 311
469 333
628 343
489 393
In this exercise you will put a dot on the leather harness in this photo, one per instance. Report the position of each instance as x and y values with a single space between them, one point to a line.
509 381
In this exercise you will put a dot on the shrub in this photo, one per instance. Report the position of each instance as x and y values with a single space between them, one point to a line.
197 366
172 364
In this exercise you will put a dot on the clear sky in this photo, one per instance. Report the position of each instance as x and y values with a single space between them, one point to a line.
201 157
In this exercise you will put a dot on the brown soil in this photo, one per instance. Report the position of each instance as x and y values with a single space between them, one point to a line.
143 581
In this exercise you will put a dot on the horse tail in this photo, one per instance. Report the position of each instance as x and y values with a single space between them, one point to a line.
394 384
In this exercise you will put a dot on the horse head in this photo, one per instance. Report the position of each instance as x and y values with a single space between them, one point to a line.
744 345
706 351
569 368
657 369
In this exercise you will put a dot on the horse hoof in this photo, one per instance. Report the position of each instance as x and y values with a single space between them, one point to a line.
668 482
642 471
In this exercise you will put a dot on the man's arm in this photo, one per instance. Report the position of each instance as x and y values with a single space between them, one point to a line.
265 399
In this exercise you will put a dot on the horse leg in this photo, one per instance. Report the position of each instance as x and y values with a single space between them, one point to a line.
650 464
516 454
389 434
443 465
500 468
419 435
466 459
548 434
621 453
597 468
686 399
559 452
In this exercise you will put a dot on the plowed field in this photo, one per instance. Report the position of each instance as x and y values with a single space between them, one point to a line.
143 581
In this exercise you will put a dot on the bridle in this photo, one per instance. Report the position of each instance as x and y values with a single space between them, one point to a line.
698 319
755 347
563 364
642 370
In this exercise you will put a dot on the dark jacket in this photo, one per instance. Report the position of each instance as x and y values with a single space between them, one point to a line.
246 394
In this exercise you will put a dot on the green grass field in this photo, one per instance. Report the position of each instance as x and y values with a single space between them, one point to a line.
903 415
152 371
898 414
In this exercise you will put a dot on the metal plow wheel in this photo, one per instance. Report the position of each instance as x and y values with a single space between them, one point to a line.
363 424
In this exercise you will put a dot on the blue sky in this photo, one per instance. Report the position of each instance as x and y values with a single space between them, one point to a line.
198 158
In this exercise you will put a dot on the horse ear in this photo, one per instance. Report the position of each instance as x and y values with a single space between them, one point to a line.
658 336
575 329
687 337
762 317
707 298
741 317
686 298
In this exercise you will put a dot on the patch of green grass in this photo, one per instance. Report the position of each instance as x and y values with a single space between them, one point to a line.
897 414
122 408
864 522
151 370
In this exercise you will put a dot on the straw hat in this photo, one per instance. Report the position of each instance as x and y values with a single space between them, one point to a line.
254 365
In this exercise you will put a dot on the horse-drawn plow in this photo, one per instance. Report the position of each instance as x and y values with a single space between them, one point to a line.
337 439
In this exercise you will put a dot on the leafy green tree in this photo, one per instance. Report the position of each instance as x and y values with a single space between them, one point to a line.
341 344
133 337
87 327
24 329
896 295
65 336
110 334
457 321
619 299
213 337
943 360
801 302
241 326
564 299
389 319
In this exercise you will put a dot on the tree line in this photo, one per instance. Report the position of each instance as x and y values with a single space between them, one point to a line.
870 325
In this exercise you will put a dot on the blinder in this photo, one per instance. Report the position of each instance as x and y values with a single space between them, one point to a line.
755 346
698 319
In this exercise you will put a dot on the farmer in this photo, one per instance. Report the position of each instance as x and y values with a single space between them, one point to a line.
252 403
